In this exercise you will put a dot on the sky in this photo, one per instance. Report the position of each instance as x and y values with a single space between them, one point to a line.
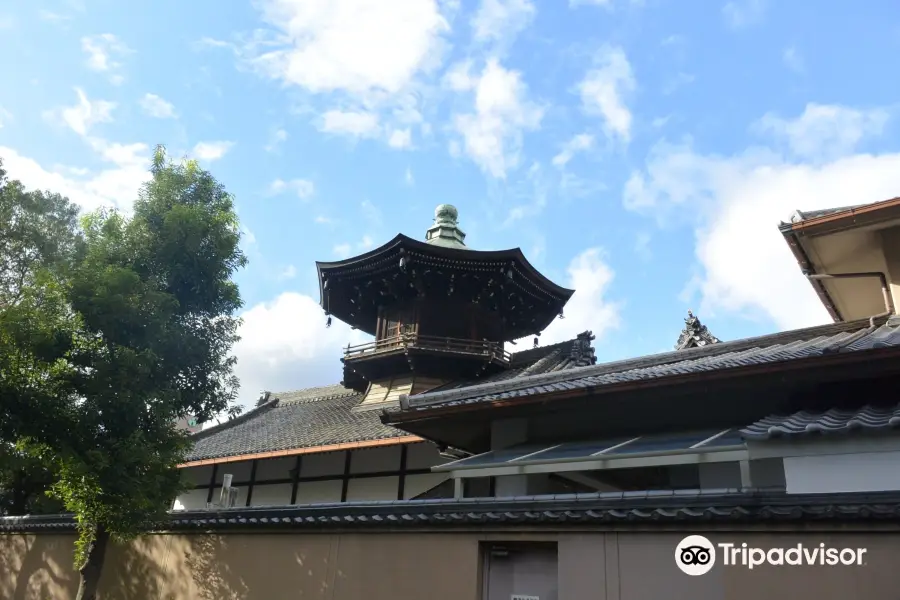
642 152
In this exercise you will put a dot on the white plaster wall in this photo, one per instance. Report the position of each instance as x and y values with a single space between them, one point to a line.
860 472
197 475
319 465
418 484
265 495
373 488
192 500
310 492
423 455
274 468
240 471
372 460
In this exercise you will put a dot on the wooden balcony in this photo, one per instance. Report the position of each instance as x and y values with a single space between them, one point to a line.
485 350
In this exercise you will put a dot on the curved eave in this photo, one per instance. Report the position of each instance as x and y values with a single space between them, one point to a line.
513 254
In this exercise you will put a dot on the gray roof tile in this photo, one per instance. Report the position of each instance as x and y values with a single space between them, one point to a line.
322 416
747 506
804 423
792 345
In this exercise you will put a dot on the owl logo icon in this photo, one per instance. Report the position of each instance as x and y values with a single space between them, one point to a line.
695 555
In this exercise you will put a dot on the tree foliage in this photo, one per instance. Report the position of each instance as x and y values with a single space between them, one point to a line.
130 329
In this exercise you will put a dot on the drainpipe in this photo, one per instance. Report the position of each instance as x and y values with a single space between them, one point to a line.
885 290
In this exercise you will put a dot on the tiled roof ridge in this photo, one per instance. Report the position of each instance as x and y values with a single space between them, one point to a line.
674 356
719 505
870 417
539 352
313 398
250 414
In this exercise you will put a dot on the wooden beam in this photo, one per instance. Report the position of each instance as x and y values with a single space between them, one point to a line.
346 483
296 478
401 481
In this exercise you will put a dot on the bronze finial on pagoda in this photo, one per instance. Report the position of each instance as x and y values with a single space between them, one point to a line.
445 231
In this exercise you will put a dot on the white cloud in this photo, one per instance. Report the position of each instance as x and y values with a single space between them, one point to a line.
408 177
493 133
603 3
104 52
590 276
739 200
578 143
743 13
342 250
157 107
285 345
823 132
116 185
359 124
289 272
604 90
84 115
400 138
501 20
793 60
210 151
278 137
371 213
53 17
303 188
354 46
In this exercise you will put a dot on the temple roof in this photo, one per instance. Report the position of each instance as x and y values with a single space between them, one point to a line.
694 334
788 346
500 282
323 416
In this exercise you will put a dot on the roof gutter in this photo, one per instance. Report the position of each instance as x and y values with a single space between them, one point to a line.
885 290
845 214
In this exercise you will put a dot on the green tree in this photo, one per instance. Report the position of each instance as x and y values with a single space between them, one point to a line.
150 322
39 241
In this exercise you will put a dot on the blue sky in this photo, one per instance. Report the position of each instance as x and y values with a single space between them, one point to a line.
640 151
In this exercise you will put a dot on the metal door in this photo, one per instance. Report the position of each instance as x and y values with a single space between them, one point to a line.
520 572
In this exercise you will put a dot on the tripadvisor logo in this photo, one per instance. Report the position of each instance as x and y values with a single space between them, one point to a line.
696 555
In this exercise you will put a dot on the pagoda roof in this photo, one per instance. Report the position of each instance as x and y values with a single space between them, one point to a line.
352 289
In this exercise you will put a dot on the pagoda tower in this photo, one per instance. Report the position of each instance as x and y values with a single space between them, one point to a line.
439 311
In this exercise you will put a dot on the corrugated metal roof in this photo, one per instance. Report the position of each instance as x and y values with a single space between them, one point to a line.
804 423
794 345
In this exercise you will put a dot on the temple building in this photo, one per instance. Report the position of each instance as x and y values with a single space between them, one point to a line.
448 464
441 317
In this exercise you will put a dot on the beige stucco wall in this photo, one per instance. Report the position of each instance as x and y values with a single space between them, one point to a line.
592 566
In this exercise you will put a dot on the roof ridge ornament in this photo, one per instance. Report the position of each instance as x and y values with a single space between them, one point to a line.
695 334
445 231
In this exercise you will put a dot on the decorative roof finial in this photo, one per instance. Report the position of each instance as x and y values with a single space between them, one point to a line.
694 334
445 231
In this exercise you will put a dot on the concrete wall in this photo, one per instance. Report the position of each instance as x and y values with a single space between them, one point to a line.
410 566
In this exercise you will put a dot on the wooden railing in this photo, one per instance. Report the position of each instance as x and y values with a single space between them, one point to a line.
494 350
